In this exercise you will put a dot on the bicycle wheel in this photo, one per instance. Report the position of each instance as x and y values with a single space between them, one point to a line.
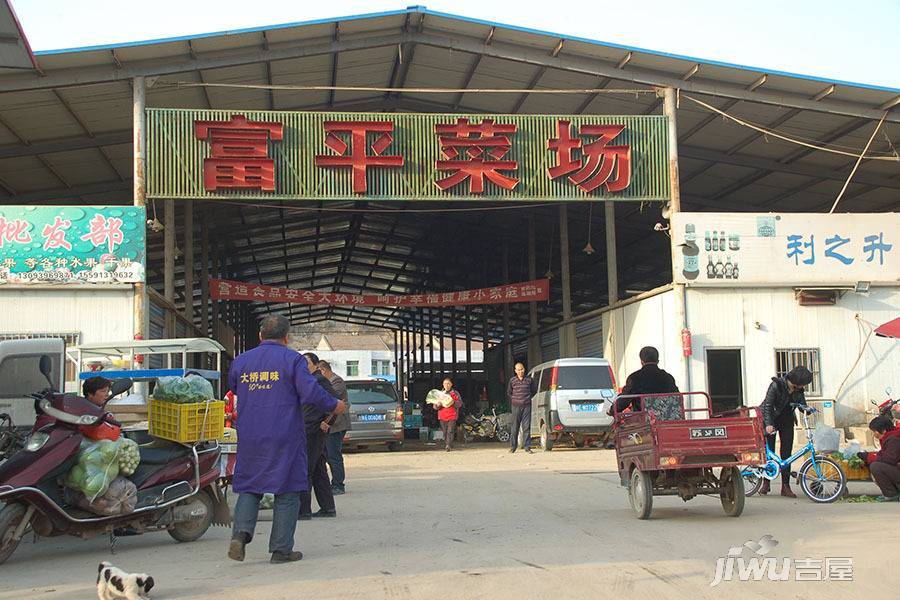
753 480
825 486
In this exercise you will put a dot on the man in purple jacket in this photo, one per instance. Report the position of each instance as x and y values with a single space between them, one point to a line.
273 384
519 391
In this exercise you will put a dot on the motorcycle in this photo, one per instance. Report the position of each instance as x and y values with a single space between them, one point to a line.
485 428
176 484
889 408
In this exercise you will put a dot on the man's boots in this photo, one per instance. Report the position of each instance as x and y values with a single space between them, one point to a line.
786 490
766 487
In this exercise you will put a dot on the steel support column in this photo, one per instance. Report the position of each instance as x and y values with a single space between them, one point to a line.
204 274
189 260
507 338
534 340
566 332
169 264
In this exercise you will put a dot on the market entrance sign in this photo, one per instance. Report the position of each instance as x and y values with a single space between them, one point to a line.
72 244
282 155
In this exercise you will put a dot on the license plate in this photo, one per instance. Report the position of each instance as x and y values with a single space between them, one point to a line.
708 433
586 407
371 417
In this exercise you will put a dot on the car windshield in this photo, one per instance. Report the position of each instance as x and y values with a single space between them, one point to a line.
586 377
371 393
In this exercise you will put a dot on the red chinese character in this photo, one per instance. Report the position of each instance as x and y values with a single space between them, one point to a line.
358 159
103 230
55 234
598 161
474 152
15 231
239 154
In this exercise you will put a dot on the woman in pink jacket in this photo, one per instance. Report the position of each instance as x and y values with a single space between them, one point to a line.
447 415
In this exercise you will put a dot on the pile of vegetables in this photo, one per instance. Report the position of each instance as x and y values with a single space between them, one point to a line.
183 390
97 466
854 462
129 456
120 499
439 399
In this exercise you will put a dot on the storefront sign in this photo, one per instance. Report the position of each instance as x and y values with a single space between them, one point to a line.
72 244
338 156
527 291
733 249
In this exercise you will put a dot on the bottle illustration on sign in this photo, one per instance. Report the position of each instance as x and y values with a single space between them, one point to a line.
707 243
722 246
710 268
691 252
715 241
734 242
729 268
734 272
720 268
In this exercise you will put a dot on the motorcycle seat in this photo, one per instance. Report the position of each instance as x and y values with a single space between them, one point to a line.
165 455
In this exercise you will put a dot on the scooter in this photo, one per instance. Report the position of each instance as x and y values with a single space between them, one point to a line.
177 490
486 428
888 408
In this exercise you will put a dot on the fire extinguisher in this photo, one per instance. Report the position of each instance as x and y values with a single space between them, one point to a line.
138 358
686 342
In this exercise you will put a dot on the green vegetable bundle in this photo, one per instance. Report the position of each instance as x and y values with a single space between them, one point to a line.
183 390
129 456
96 467
856 463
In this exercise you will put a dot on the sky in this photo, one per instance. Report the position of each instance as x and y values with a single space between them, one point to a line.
854 41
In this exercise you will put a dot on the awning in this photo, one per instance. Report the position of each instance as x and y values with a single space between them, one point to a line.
890 329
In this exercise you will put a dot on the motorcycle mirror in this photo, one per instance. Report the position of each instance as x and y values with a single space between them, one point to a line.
120 386
873 402
46 367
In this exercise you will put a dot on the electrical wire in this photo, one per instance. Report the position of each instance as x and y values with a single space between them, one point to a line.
404 90
856 166
792 140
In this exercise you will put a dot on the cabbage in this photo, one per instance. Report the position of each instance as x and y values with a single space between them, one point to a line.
96 466
183 390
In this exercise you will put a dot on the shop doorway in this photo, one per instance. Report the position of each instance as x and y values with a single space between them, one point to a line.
725 379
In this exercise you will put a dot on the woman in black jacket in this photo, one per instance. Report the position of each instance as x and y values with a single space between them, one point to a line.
778 417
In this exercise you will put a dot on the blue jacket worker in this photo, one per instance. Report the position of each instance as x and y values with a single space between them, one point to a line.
274 385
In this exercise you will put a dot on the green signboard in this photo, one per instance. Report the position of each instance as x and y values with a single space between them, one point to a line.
279 155
72 244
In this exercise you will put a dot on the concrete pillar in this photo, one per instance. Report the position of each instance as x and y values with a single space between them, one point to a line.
534 340
139 141
669 109
567 341
189 260
169 264
612 274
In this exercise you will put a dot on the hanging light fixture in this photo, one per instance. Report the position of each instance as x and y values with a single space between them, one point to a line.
588 249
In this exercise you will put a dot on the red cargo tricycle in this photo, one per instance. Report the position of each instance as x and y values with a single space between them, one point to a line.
668 448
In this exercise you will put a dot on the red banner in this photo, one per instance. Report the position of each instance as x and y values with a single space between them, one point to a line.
526 291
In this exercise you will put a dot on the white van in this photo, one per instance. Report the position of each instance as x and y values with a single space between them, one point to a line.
573 395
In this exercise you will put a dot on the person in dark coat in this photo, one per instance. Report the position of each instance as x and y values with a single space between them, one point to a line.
779 417
884 465
317 422
649 379
334 437
275 388
519 391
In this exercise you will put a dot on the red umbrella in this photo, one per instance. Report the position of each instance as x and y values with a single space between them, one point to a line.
890 329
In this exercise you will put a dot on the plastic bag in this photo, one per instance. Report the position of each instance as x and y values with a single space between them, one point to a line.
129 456
183 390
826 439
850 451
96 467
120 499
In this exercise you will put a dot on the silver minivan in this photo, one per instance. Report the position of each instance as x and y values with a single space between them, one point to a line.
573 395
376 416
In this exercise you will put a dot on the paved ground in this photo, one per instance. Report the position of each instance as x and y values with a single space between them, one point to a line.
481 523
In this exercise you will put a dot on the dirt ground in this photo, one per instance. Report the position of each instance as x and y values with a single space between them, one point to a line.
482 523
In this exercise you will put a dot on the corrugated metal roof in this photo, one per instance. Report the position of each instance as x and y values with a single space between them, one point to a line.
65 136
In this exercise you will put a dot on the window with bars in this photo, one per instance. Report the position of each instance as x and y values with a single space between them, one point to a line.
71 339
788 358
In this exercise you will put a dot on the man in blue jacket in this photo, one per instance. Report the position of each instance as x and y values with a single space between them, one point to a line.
273 384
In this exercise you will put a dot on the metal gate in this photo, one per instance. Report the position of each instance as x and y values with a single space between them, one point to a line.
590 337
550 346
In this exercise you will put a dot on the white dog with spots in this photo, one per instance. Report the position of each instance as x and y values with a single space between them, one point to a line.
114 583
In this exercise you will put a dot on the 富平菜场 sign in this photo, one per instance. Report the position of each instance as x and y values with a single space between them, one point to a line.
284 155
72 244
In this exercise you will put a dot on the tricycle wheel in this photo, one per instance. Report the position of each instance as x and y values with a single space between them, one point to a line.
546 437
640 494
10 519
731 491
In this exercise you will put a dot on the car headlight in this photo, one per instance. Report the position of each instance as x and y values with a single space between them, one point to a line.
36 441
